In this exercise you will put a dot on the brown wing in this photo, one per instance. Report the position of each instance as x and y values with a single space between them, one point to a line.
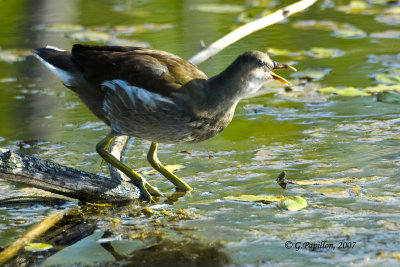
153 70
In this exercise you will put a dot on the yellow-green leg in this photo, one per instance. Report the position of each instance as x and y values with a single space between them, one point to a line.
136 178
156 164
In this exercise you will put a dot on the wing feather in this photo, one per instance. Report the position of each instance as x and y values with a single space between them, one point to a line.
153 70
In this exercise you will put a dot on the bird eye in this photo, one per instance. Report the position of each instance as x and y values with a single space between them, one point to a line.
261 63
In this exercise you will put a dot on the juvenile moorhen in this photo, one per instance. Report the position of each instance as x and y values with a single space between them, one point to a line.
156 96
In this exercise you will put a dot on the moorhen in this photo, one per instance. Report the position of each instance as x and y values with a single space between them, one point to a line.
156 96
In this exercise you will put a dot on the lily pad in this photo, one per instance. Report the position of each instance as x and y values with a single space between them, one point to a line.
38 247
382 88
128 42
311 74
284 52
395 71
320 52
385 255
388 78
293 203
339 30
347 91
382 198
390 16
91 36
14 55
334 192
61 27
218 8
387 60
326 25
336 180
390 34
254 198
171 168
347 31
357 7
148 27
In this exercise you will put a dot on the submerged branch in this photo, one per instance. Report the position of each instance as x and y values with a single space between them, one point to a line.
38 230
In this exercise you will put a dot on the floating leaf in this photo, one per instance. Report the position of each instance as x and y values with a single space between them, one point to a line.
326 25
388 78
128 42
356 190
14 55
293 203
283 52
393 34
253 198
320 52
387 60
311 74
336 192
382 88
336 180
339 30
63 27
357 6
382 198
91 36
347 91
395 71
170 168
128 29
218 8
38 247
390 16
347 31
394 255
8 80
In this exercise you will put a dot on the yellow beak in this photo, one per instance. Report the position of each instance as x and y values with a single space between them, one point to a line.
278 78
278 66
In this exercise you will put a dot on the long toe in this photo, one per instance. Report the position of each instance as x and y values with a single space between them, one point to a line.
145 193
153 190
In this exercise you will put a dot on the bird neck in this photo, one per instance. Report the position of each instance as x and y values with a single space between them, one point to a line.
232 84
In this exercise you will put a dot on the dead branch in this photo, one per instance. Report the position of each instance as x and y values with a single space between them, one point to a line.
38 230
64 180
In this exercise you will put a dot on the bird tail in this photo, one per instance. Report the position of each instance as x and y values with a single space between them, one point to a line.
62 64
59 62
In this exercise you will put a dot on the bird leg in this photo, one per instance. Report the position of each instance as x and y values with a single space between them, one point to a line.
156 164
135 177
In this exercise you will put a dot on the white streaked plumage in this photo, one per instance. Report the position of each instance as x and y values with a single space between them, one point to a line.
137 94
63 75
55 48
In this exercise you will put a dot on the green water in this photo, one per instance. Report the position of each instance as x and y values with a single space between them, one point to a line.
305 133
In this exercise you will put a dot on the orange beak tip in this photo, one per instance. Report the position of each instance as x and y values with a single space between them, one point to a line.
278 78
